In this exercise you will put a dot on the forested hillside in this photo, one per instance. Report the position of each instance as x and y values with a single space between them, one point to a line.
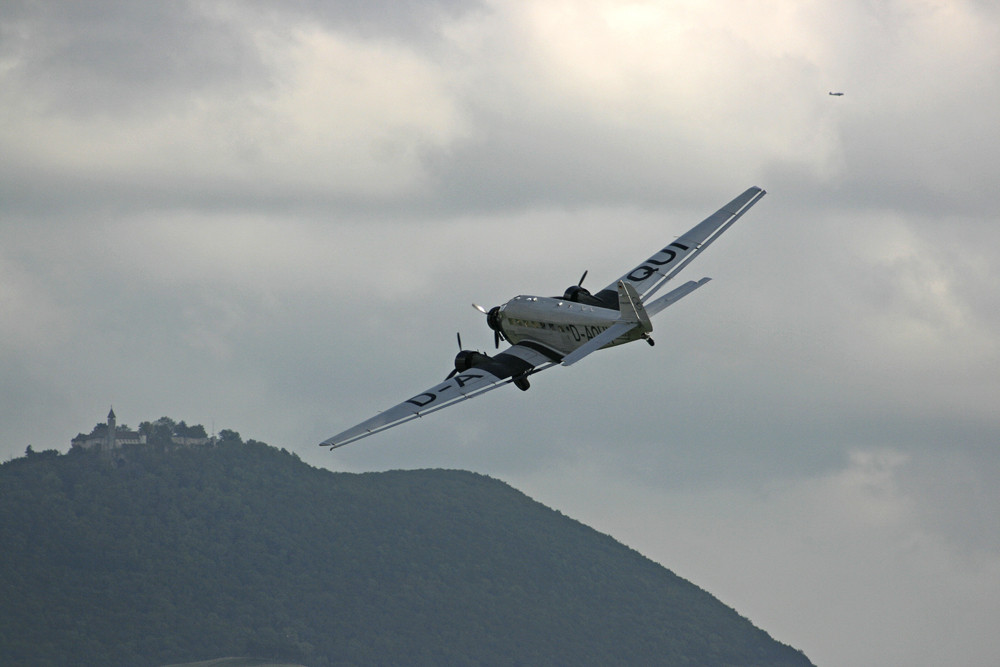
240 549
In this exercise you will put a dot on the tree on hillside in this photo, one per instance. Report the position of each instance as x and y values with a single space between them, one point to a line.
182 430
228 436
160 432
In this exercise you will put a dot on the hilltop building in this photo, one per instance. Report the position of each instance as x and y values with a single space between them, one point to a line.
108 437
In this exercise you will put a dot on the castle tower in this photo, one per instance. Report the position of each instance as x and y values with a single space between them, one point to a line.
112 428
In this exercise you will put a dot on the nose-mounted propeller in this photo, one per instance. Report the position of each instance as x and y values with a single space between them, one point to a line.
493 322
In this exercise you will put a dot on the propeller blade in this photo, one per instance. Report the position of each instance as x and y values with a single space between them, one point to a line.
452 374
458 335
496 339
480 308
580 284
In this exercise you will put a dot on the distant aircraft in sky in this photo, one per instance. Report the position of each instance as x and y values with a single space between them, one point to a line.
836 94
546 331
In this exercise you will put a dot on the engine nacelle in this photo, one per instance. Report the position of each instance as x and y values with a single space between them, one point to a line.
576 293
466 359
603 299
493 318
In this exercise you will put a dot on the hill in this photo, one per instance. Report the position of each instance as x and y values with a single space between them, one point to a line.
243 550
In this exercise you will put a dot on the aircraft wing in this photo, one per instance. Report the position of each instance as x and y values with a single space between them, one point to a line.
652 274
516 362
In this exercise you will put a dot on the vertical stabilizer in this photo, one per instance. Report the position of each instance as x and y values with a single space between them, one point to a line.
631 308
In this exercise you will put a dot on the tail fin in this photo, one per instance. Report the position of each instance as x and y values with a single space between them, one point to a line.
632 315
630 306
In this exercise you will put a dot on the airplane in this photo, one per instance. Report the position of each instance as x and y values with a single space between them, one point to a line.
836 94
549 331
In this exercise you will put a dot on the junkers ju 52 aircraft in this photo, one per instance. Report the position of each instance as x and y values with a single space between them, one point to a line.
546 331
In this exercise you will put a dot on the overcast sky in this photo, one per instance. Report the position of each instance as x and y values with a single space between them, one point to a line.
274 220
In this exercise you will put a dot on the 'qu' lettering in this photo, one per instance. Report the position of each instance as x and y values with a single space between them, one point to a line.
641 273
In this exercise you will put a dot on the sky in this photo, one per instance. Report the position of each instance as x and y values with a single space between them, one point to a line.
273 218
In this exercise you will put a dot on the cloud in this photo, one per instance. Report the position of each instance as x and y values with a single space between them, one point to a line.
274 219
320 114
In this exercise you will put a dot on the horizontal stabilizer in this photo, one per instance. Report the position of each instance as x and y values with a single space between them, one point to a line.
600 340
633 314
674 295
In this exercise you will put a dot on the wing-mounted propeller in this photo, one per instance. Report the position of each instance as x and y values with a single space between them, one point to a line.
466 359
493 322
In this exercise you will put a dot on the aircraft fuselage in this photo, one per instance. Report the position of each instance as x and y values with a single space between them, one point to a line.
558 324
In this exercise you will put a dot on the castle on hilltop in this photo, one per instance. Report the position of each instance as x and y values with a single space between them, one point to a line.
106 438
